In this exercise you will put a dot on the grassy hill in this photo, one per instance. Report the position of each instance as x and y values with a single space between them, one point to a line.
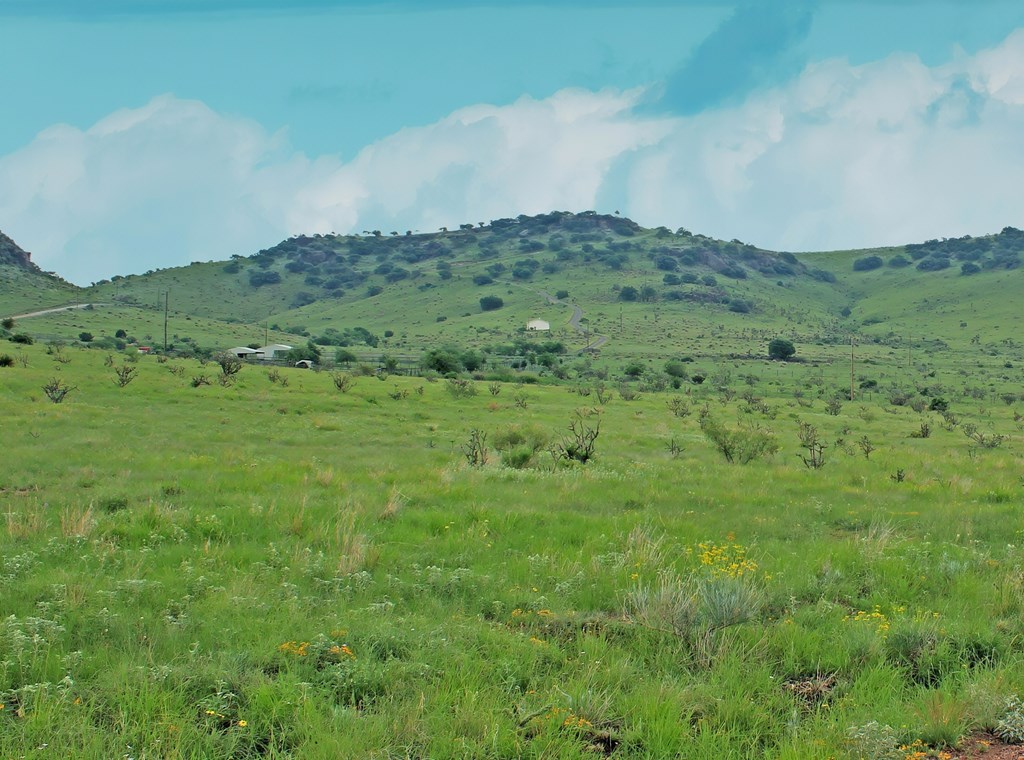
644 294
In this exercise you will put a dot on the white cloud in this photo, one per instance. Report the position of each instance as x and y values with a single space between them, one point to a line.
842 156
160 185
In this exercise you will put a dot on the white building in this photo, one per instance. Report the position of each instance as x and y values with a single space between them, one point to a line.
538 324
244 352
274 348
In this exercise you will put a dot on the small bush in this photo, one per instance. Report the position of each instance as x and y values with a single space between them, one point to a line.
579 445
125 374
22 338
1011 725
740 446
56 390
6 360
229 363
867 263
460 388
475 448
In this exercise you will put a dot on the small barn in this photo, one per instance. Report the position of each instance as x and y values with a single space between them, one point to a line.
538 325
274 348
244 352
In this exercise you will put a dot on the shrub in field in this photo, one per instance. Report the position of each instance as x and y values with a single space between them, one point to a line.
579 445
814 458
343 381
229 363
1011 725
6 360
678 406
124 374
56 390
459 387
475 448
518 444
739 445
982 439
876 741
923 432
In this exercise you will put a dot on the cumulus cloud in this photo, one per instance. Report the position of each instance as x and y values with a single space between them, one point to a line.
160 185
839 156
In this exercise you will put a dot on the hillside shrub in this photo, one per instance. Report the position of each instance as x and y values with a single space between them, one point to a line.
933 264
259 279
22 338
491 303
867 263
781 349
6 360
57 390
229 363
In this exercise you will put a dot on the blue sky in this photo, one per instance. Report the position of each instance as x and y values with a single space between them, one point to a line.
144 133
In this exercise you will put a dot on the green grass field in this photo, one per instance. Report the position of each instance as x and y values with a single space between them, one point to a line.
276 568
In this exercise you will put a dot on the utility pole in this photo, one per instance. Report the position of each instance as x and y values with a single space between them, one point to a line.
167 296
851 368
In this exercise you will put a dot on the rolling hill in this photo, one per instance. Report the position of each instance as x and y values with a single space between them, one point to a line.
638 293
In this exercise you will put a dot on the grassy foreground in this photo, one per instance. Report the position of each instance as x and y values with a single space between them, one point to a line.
282 569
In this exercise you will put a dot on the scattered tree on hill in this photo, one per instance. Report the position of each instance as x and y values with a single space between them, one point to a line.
344 356
308 352
781 349
7 323
491 303
629 293
867 263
